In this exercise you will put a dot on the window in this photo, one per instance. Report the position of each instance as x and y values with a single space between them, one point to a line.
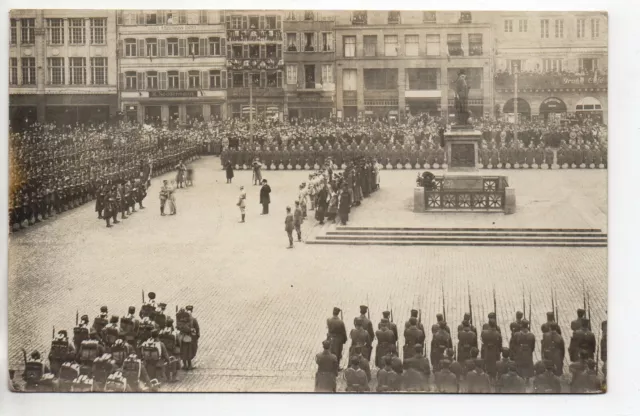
236 22
130 18
174 80
580 28
359 17
194 79
215 79
272 51
254 22
130 46
98 31
194 46
411 47
14 31
508 26
76 31
271 22
214 46
28 71
465 17
349 46
393 18
131 81
454 43
152 80
55 31
308 15
523 25
559 25
370 45
77 71
327 74
193 17
151 18
544 28
381 79
552 65
391 45
349 80
254 51
99 71
28 35
55 68
292 74
13 71
429 17
292 42
433 45
475 44
152 47
236 51
422 78
595 28
586 65
309 42
172 47
254 79
237 79
272 79
327 42
515 65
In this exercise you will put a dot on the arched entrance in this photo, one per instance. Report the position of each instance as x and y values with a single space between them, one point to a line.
589 107
553 109
524 109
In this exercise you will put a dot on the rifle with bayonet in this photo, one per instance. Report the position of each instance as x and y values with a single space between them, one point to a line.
470 307
76 317
524 307
444 309
555 295
495 307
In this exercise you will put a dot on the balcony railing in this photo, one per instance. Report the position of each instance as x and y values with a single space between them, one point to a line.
491 197
534 80
254 35
359 18
268 91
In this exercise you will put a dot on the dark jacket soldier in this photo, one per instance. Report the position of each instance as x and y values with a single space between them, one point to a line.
576 324
467 339
467 317
359 337
386 339
414 314
337 334
327 369
502 366
396 362
440 342
393 327
436 327
477 380
412 336
515 325
545 327
356 378
547 382
368 326
491 316
526 342
552 346
582 339
446 381
511 382
388 379
491 348
363 363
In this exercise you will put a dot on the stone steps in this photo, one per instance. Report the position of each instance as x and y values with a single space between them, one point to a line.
483 237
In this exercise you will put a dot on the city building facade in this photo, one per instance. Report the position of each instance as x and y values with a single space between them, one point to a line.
254 63
561 61
309 59
172 65
62 66
396 63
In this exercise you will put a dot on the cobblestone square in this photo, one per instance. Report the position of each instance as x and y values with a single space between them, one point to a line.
262 308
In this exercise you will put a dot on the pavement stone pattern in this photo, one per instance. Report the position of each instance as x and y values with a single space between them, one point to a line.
262 308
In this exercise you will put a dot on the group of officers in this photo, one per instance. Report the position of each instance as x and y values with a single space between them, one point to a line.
117 354
479 362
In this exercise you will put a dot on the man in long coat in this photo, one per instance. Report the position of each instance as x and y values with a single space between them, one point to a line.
265 199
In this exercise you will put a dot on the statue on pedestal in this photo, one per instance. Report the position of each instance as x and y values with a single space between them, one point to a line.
461 99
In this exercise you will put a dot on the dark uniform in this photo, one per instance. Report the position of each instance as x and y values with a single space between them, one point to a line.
327 369
466 340
511 382
547 382
386 339
368 326
446 380
526 342
337 334
582 339
477 380
412 336
388 379
355 377
359 337
552 346
414 314
393 327
550 320
491 348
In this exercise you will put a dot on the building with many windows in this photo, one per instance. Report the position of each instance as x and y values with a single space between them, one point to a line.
393 63
309 58
561 61
62 66
254 63
171 65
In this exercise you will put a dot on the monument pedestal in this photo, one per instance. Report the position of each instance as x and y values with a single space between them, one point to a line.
461 147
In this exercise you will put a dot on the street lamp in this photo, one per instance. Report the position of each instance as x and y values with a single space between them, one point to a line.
516 69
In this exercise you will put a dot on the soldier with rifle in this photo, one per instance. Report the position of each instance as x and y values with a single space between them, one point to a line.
327 369
393 327
368 326
388 379
415 314
386 339
359 337
396 362
552 346
466 341
491 348
337 334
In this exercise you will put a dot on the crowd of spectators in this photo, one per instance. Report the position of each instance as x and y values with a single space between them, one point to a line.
539 78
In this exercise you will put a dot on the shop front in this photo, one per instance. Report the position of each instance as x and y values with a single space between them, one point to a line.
173 107
553 109
524 109
310 107
589 108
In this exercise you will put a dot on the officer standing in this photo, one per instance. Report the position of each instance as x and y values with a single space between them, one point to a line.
412 336
195 335
491 348
327 369
337 334
368 326
526 342
359 337
552 346
385 338
265 198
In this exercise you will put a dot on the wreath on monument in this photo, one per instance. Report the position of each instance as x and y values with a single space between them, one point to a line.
427 181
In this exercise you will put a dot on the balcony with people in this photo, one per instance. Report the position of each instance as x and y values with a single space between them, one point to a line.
551 79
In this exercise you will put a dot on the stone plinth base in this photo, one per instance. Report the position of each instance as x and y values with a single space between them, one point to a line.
509 200
418 199
461 147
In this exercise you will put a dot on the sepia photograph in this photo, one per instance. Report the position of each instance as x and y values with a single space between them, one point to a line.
308 201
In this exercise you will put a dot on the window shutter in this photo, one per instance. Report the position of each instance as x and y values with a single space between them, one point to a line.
261 22
278 22
122 81
182 80
203 47
162 47
228 20
245 22
223 79
221 15
140 81
205 80
161 16
203 17
245 79
182 17
263 51
141 47
119 17
263 79
279 79
229 56
245 51
141 18
162 76
182 47
120 48
278 52
223 45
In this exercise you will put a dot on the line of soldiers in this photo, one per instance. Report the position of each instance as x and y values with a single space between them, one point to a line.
120 198
118 353
478 363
